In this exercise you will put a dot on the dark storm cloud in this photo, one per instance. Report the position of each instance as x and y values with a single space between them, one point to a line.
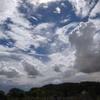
57 67
68 73
30 69
82 38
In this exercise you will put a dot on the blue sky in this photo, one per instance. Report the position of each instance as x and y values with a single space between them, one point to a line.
48 41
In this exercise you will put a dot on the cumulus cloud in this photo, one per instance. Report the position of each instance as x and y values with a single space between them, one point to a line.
96 22
9 72
30 69
58 10
83 39
57 67
82 7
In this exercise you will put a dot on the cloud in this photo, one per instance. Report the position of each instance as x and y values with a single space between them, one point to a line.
7 8
83 39
24 38
95 10
96 23
68 73
34 18
63 32
58 10
63 5
43 27
82 7
65 58
2 35
19 20
57 81
57 67
65 20
35 2
31 70
9 72
5 56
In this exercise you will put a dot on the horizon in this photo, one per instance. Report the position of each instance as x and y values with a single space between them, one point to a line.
12 87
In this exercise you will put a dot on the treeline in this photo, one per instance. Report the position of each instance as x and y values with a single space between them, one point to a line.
51 90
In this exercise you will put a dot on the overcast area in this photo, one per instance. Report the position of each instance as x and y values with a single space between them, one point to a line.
48 41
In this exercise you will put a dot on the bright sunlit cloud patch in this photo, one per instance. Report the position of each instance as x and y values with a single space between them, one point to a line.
46 1
42 1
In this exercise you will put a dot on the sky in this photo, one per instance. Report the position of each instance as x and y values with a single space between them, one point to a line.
48 41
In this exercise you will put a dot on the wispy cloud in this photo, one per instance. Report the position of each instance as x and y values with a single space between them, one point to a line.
95 10
7 8
82 7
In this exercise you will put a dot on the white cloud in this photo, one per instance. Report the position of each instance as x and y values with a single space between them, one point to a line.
58 10
96 22
63 5
24 38
95 10
82 7
18 19
45 6
43 27
6 48
36 2
65 20
62 58
34 18
63 32
43 30
57 81
7 8
2 35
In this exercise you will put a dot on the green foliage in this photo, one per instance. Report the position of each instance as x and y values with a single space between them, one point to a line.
2 94
15 93
36 92
21 95
50 90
